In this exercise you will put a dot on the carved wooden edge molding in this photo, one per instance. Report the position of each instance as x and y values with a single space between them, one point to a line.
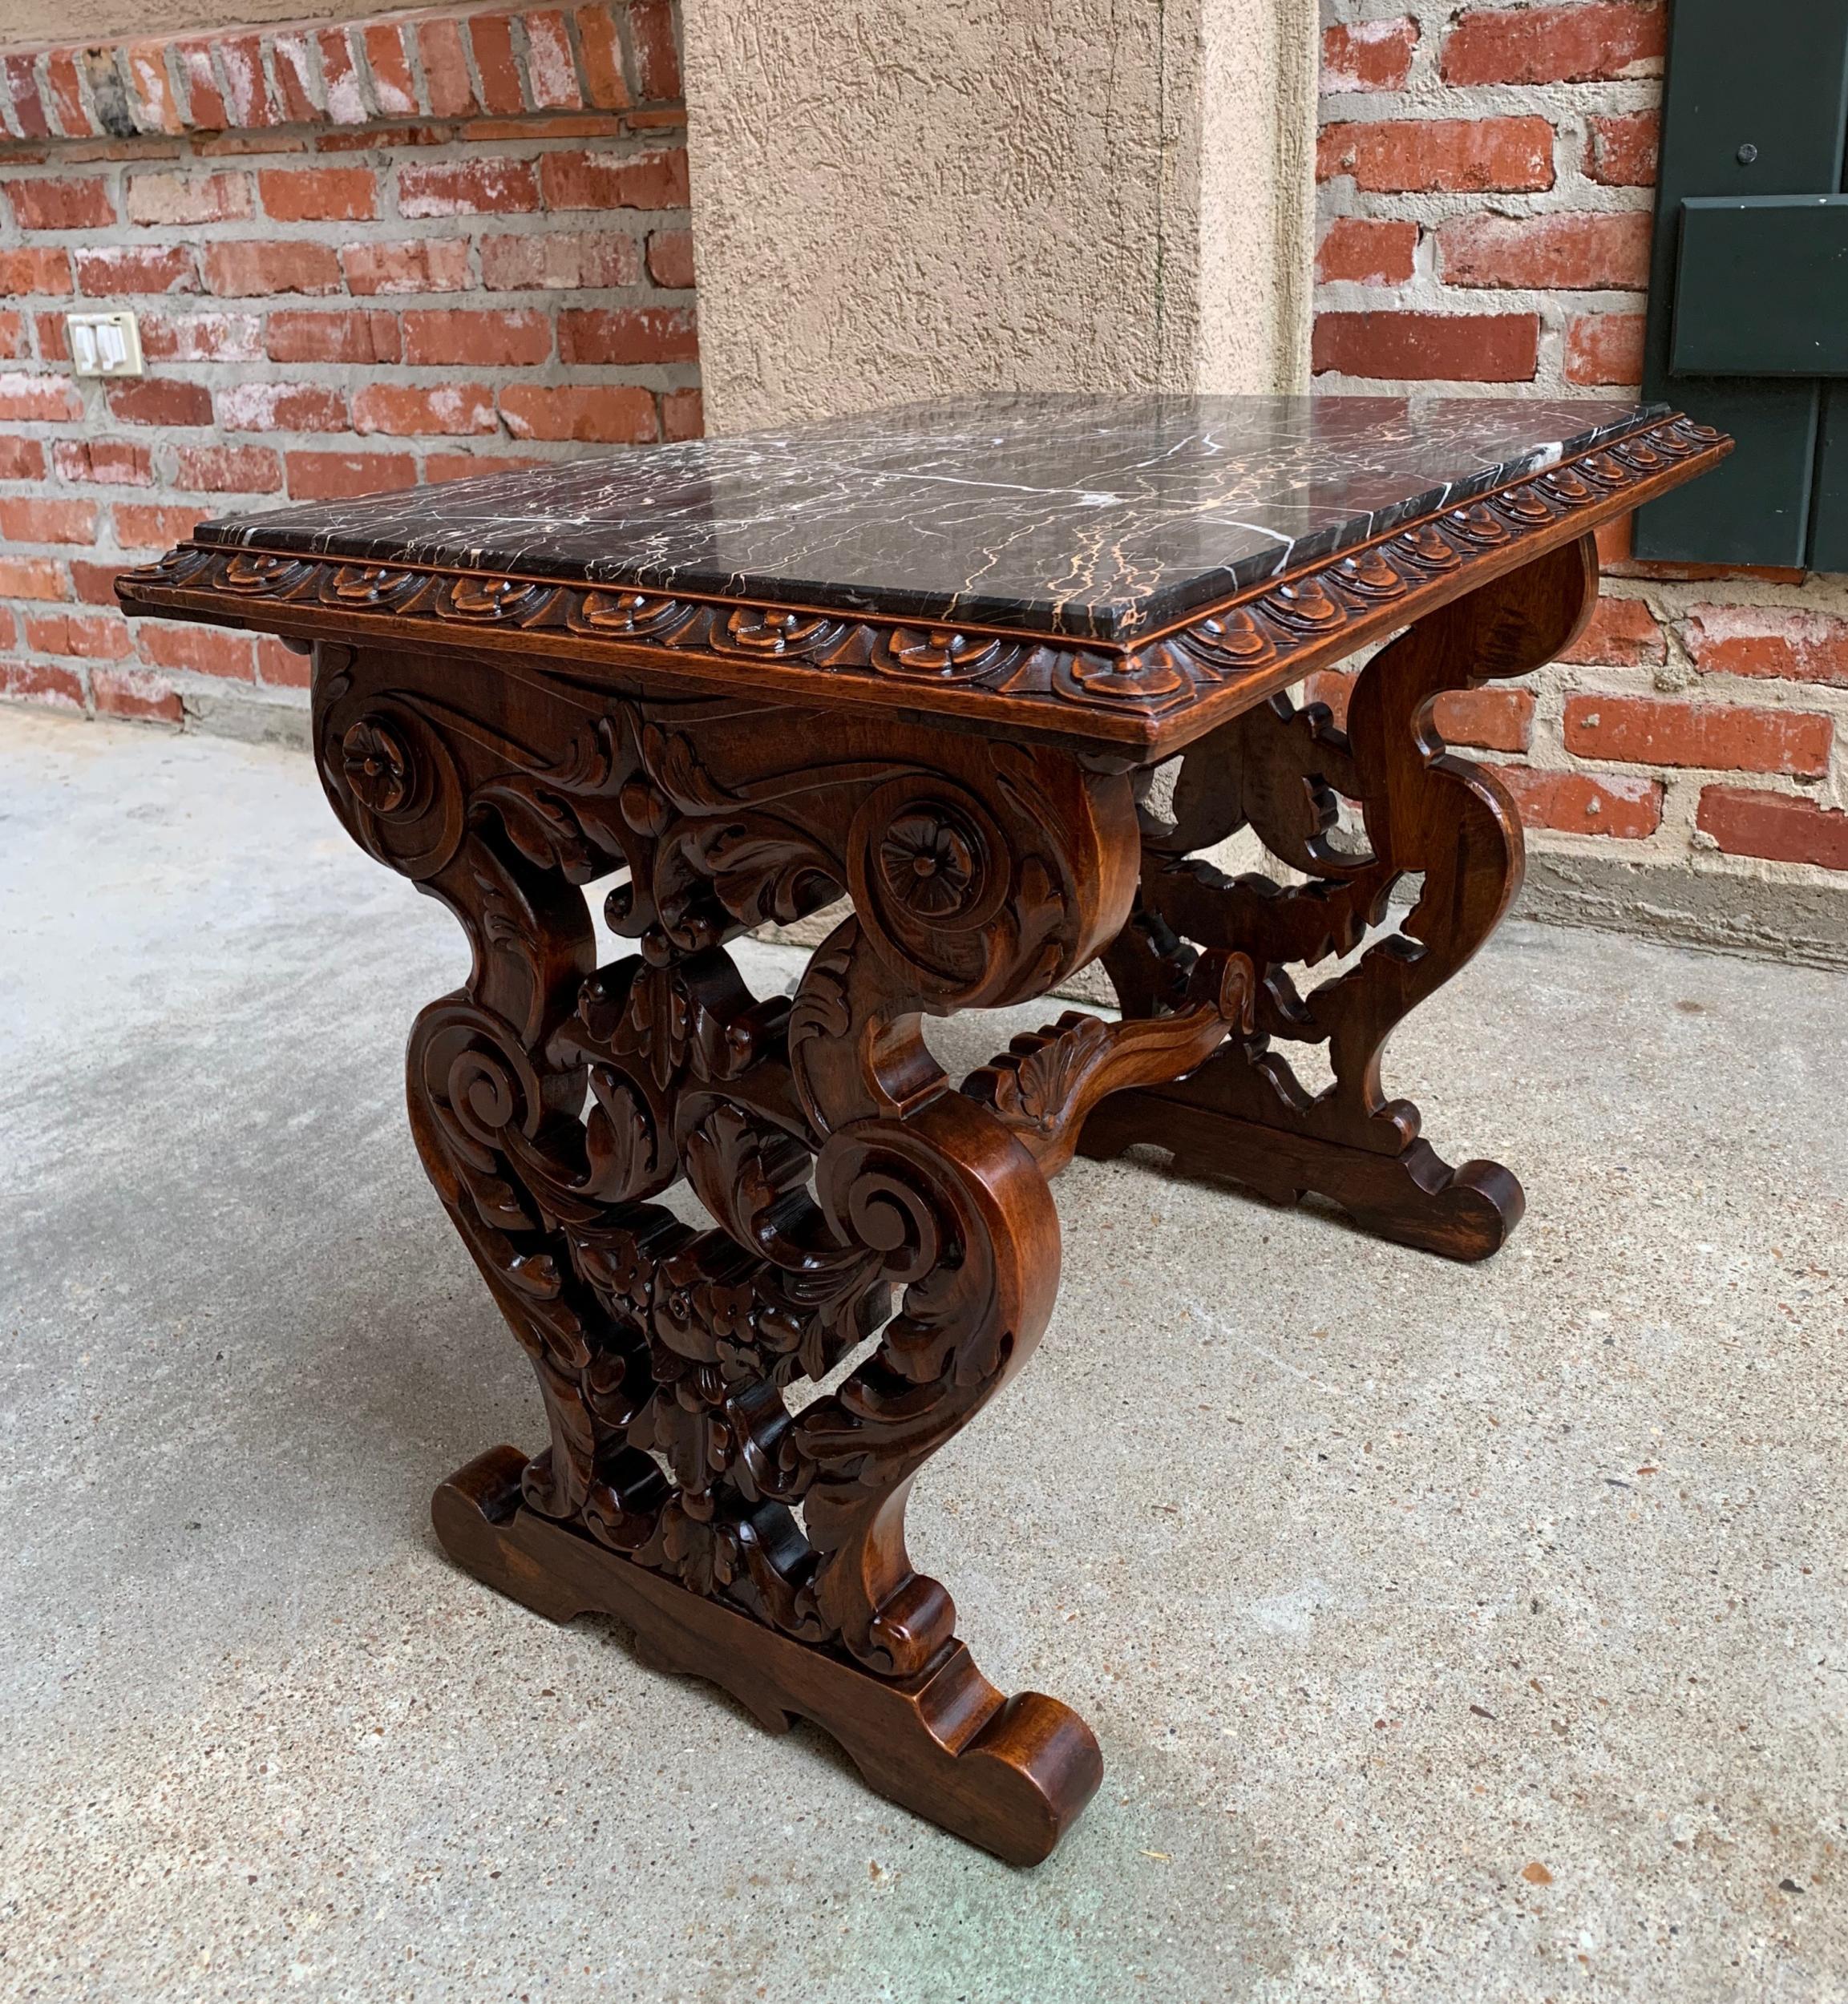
1158 693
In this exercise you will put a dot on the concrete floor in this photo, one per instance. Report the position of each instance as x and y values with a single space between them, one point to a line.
1450 1632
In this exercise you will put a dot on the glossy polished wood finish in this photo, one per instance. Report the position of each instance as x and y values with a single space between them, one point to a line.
736 1412
1010 1774
1283 772
857 1196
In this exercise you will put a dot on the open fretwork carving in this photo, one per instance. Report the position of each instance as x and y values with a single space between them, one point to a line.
852 1192
1282 772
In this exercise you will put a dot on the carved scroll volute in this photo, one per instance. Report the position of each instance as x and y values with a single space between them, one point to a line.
973 888
402 788
481 1088
391 780
965 1220
979 886
1509 627
983 883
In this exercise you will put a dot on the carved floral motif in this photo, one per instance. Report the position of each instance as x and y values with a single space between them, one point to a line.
377 767
852 1193
930 862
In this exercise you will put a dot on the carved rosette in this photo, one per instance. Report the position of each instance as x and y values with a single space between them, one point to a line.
405 801
852 1193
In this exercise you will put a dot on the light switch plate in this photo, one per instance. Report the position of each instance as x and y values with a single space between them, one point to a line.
104 344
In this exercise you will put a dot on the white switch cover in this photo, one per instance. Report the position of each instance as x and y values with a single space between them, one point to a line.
104 344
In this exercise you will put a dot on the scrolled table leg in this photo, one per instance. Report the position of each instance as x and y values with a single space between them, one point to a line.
1243 1114
857 1199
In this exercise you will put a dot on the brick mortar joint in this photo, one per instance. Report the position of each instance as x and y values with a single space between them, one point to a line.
1547 752
56 651
114 104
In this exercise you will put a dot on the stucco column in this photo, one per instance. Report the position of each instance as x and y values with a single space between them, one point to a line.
905 198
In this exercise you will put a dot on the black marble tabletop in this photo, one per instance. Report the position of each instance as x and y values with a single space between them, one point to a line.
1098 516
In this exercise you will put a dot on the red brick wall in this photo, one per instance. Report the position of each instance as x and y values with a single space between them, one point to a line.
1487 198
404 250
361 256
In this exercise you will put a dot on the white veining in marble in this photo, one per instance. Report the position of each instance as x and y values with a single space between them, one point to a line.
1100 517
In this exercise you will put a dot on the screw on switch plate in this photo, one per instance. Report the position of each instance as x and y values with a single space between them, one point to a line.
104 344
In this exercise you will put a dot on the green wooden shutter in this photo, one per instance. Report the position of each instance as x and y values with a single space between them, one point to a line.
1748 281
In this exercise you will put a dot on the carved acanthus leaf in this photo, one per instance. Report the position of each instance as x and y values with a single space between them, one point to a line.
1046 1082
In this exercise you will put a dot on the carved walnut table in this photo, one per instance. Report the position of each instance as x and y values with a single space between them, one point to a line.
929 660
